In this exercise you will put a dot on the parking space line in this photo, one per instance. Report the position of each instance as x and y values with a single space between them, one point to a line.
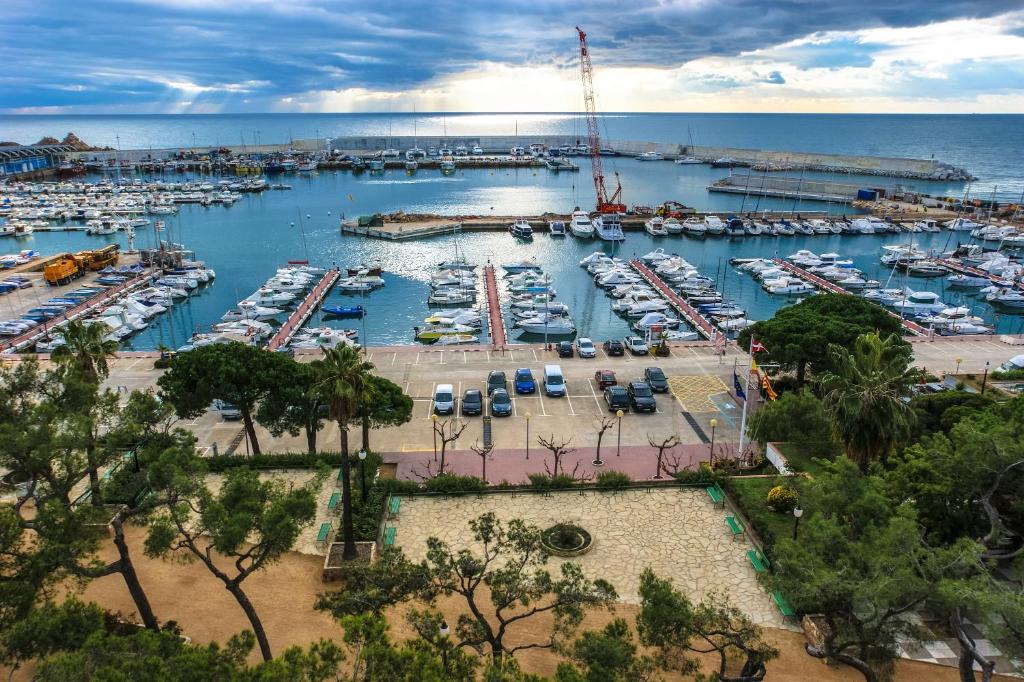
418 354
593 393
512 397
433 387
394 356
543 411
572 412
442 357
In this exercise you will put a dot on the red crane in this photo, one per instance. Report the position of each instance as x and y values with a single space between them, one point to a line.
605 203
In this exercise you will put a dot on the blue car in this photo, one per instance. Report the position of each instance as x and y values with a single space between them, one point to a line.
501 404
524 381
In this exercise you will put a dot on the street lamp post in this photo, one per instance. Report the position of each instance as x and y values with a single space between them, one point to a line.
797 513
433 418
711 458
984 378
957 370
618 444
528 415
362 472
443 630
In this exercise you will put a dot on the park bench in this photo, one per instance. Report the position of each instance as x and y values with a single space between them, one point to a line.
389 536
735 526
716 494
338 479
394 505
784 608
333 503
758 560
325 532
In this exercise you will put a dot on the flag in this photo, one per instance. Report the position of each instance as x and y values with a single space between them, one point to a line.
753 365
736 383
756 346
768 390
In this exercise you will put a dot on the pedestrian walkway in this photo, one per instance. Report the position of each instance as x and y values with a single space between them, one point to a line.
497 324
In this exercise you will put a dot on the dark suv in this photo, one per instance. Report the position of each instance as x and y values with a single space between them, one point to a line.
617 398
564 349
614 347
641 398
472 402
656 379
496 380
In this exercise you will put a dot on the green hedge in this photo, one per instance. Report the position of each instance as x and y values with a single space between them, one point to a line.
613 480
751 496
453 484
288 460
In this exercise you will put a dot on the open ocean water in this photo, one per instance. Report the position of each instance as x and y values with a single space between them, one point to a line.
246 242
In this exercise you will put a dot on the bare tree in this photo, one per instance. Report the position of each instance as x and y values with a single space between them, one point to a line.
448 431
602 426
484 453
558 449
665 444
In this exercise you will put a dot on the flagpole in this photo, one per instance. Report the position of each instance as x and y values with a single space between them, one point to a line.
746 399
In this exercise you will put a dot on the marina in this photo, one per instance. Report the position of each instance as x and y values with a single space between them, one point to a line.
303 311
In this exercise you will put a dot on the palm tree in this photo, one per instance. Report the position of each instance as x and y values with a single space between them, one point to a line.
343 379
85 350
864 397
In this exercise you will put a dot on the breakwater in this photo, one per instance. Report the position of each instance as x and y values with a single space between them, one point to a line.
772 160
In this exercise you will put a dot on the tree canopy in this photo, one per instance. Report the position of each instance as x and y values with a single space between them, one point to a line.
799 336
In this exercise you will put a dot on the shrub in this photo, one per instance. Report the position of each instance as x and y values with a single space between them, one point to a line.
162 363
1008 375
613 480
366 517
782 499
540 481
504 485
545 482
290 460
452 484
796 417
701 476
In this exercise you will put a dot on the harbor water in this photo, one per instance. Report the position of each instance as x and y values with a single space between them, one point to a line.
246 242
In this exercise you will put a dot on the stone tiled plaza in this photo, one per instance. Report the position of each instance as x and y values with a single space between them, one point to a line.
676 532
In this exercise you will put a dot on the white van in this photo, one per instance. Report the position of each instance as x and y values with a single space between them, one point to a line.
444 399
554 381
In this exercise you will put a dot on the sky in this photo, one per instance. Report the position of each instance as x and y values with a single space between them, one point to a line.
212 56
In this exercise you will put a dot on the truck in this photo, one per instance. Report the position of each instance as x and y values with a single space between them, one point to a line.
62 270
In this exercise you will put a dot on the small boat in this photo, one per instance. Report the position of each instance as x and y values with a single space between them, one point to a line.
451 296
966 282
673 226
655 227
521 229
344 311
556 228
694 227
714 225
650 156
455 339
447 166
608 228
435 332
411 166
521 266
926 269
688 161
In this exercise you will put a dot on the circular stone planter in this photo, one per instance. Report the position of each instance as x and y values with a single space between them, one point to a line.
566 540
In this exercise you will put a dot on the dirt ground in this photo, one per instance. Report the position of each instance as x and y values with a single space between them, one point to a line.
284 596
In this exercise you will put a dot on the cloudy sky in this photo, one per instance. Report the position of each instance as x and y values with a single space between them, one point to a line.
208 56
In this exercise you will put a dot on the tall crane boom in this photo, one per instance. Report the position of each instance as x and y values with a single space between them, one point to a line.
605 203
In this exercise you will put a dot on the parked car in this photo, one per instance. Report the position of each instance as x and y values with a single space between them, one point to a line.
472 402
604 378
636 345
554 381
524 382
656 379
501 403
614 347
564 349
444 399
641 398
585 348
496 380
228 411
617 398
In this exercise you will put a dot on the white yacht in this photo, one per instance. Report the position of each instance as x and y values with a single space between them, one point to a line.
695 227
650 156
918 302
608 228
714 224
673 226
962 225
556 228
655 227
688 161
581 226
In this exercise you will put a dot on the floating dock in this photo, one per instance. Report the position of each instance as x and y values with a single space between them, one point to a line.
831 287
496 322
299 316
962 269
696 319
26 339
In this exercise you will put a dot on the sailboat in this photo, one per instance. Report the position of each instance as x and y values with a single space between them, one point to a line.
689 160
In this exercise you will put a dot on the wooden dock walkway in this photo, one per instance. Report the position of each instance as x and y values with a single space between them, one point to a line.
299 316
35 333
696 319
831 287
495 320
962 269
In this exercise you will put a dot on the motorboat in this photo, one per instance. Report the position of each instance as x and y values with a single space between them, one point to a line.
354 285
650 156
673 226
250 311
462 316
323 337
688 161
926 269
961 281
655 319
447 166
857 282
556 228
962 225
734 227
926 225
714 225
521 266
1006 298
455 339
656 256
655 227
695 227
918 302
580 225
788 286
435 332
521 229
451 296
344 311
265 296
550 325
608 228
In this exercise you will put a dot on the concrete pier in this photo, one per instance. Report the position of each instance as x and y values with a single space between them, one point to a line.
305 309
497 324
691 314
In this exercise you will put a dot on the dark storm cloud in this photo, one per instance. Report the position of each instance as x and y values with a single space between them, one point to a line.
239 54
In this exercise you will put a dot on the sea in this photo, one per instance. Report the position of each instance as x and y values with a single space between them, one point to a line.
245 243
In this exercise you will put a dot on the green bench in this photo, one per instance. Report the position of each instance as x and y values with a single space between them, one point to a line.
716 494
335 500
389 536
735 526
394 505
325 532
784 608
338 479
758 560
